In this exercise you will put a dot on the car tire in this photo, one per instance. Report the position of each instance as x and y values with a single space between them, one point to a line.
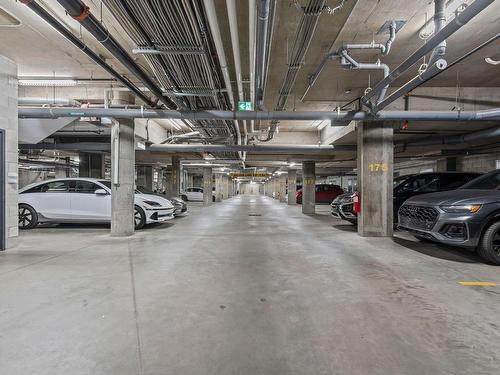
489 245
139 218
184 198
27 217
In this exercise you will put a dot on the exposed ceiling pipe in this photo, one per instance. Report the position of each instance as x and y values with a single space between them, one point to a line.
219 46
41 112
477 136
262 51
254 149
302 40
384 48
235 42
439 23
432 71
81 13
36 8
46 101
460 20
251 47
439 67
350 63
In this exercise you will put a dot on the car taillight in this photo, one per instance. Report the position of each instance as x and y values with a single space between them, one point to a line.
356 203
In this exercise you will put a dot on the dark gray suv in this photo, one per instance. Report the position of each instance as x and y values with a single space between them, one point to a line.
466 217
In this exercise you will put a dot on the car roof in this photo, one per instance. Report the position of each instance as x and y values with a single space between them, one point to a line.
62 179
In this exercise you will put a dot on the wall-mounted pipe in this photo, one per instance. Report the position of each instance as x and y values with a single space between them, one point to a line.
47 17
477 136
460 20
485 115
253 149
80 12
46 101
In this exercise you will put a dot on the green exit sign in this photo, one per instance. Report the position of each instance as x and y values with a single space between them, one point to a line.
245 106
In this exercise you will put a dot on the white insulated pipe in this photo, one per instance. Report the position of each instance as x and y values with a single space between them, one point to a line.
252 22
235 43
219 46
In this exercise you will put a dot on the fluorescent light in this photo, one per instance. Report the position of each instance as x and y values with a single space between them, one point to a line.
64 82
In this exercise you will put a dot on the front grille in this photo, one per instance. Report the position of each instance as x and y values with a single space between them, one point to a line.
417 217
347 208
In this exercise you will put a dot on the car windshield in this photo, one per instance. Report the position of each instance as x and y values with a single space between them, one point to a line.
490 181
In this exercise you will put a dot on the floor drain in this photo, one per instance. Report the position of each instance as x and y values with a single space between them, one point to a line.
254 215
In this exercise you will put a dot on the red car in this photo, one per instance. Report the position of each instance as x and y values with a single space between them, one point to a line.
325 193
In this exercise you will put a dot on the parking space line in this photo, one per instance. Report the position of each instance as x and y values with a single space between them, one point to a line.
477 283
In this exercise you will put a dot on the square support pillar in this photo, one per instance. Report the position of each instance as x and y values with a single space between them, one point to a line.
9 171
375 175
218 187
122 178
207 186
308 187
292 186
175 177
225 186
282 188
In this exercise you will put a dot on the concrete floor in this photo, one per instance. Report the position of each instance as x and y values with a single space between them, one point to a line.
223 292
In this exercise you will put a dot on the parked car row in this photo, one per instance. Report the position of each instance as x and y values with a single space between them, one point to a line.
460 209
346 206
86 200
324 193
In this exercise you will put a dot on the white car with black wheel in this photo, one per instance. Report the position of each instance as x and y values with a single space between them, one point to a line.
83 200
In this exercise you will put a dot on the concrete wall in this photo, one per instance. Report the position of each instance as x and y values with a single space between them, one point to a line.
9 123
252 189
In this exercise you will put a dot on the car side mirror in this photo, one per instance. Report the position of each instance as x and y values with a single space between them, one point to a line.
100 192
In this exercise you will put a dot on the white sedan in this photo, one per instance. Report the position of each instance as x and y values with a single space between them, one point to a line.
83 200
193 194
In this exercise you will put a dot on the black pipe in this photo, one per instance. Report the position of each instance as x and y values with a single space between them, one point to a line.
84 48
80 12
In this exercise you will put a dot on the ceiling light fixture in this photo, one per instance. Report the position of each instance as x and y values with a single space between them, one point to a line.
59 82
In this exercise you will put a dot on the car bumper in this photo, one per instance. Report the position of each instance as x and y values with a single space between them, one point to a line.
444 230
180 210
343 211
159 215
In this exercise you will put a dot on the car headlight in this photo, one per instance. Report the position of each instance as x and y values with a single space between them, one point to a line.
461 208
152 203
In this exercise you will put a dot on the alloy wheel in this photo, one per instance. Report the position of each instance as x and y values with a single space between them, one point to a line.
25 217
495 242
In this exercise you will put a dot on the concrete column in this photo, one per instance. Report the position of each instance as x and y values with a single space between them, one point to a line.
91 165
122 178
225 186
292 186
308 187
282 188
375 174
9 126
175 177
218 187
207 186
145 176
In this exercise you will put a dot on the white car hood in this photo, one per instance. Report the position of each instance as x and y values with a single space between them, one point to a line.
155 198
